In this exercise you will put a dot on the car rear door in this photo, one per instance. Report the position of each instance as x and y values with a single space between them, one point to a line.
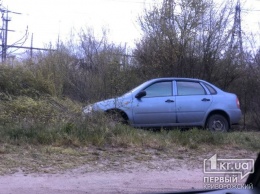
157 108
192 102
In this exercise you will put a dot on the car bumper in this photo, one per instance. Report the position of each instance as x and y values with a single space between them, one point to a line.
235 116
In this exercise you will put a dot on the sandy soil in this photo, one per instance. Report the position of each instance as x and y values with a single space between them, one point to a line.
121 174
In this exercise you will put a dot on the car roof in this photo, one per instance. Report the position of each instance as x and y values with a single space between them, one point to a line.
182 79
176 78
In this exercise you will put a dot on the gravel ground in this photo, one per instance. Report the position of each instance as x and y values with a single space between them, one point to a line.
110 171
78 182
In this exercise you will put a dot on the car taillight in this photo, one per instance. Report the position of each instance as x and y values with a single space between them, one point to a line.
238 104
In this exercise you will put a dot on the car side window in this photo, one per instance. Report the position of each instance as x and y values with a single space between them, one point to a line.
186 88
159 89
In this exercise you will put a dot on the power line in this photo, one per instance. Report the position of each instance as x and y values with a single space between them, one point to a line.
25 47
8 11
250 10
129 1
4 36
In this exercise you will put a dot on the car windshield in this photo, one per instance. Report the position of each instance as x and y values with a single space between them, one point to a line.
137 88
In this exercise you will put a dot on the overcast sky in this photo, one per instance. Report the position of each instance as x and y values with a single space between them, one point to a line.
48 19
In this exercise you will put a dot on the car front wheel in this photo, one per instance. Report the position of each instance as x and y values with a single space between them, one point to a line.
117 117
217 123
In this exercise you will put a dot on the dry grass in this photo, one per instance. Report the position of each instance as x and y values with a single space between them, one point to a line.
93 144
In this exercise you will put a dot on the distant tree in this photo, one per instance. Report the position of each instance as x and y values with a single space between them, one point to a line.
100 67
185 38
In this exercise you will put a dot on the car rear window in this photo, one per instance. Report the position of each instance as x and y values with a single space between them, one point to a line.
185 88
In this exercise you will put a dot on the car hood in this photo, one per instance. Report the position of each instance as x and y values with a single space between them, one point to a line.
119 102
105 104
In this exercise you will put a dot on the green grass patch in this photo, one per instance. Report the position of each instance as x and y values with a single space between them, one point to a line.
99 132
30 113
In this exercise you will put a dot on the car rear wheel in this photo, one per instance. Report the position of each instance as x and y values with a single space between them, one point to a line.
217 123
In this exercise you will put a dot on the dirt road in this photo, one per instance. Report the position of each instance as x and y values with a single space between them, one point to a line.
76 182
109 171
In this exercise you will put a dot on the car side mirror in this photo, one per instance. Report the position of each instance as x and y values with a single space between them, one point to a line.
140 94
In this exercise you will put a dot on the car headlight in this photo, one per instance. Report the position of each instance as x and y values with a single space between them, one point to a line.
88 109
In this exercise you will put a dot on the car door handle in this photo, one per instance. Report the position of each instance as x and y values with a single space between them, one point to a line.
205 99
169 101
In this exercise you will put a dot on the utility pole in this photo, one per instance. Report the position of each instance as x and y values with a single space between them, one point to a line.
31 50
237 54
4 31
169 10
4 40
236 43
4 37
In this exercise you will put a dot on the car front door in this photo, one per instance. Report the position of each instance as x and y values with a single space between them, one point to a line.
157 107
192 102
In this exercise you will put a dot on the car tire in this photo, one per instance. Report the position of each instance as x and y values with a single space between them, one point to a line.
217 123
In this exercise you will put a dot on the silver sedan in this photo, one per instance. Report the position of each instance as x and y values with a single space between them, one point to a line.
180 102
